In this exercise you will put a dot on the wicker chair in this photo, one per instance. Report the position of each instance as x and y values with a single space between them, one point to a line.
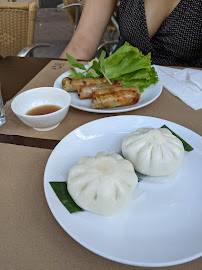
17 24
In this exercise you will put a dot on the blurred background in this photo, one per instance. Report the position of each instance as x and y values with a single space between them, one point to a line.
55 26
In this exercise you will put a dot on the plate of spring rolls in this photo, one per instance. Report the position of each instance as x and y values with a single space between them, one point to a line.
99 96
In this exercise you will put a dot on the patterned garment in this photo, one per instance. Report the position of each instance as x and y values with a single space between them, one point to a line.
178 41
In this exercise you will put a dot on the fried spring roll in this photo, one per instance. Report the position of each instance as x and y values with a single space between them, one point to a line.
116 89
87 91
115 99
71 85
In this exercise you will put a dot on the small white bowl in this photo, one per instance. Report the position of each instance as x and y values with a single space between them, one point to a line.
33 98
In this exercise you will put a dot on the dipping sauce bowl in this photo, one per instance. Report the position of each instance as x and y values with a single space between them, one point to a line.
40 97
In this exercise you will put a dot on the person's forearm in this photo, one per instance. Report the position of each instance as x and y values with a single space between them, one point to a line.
92 25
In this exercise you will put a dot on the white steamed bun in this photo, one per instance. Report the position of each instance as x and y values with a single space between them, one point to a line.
102 184
153 152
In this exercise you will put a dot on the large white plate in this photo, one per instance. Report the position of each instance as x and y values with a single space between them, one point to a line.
161 227
150 94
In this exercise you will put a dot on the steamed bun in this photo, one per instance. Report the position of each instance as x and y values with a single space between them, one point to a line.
153 152
102 184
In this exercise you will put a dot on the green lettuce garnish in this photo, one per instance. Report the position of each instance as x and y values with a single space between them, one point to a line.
127 64
73 62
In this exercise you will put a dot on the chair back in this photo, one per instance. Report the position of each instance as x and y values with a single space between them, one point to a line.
17 24
71 11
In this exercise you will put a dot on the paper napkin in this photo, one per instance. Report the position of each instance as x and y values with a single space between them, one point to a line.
185 83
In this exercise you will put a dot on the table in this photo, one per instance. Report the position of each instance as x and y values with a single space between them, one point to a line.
14 73
30 236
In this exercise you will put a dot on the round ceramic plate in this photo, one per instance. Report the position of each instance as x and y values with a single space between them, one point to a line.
162 224
150 94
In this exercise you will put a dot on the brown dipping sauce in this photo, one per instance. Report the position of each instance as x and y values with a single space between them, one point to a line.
44 109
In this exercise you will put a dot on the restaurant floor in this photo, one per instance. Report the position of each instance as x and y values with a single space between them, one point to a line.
52 27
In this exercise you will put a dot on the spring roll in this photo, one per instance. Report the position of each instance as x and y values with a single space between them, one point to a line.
115 99
86 91
116 89
71 85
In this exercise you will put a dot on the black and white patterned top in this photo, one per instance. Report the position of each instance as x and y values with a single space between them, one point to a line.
178 41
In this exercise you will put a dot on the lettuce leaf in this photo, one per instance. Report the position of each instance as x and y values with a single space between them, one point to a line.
73 62
127 64
142 78
124 62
